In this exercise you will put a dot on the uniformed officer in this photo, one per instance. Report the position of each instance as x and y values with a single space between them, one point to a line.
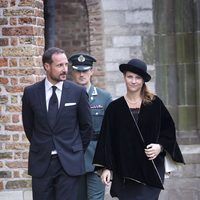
91 187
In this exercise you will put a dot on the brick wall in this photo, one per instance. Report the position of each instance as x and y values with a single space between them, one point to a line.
79 28
22 42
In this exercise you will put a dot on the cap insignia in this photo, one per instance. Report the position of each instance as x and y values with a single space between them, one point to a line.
81 58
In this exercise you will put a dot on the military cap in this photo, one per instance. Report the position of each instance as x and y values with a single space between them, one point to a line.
81 61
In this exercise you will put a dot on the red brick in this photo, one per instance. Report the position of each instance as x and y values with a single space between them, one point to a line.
14 81
3 62
12 3
18 31
3 3
17 155
14 89
16 174
40 22
39 13
40 41
3 41
19 72
15 118
3 81
28 79
13 62
14 41
27 20
16 164
13 21
14 128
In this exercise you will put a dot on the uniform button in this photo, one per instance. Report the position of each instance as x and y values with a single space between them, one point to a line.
96 113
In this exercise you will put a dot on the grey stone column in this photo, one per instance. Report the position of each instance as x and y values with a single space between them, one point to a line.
197 56
165 54
177 75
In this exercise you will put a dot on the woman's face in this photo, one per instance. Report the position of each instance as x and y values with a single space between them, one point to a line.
133 82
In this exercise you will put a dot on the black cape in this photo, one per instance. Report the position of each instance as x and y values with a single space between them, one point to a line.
120 147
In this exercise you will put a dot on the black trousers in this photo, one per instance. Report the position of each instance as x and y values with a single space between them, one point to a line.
56 184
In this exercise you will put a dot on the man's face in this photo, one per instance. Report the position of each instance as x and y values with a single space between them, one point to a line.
82 77
57 70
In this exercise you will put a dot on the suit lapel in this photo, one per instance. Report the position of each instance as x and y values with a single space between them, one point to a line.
42 97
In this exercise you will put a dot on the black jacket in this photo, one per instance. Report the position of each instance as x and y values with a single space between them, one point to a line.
120 147
70 135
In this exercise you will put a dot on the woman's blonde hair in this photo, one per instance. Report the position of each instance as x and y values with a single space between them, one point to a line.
147 95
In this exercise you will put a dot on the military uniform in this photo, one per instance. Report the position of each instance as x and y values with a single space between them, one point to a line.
91 187
99 100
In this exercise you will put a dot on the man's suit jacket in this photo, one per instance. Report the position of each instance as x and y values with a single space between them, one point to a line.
70 135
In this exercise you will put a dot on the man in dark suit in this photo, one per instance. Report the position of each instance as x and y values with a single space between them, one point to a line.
91 187
57 122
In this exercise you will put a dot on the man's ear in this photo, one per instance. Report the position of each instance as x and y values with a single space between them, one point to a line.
46 66
92 70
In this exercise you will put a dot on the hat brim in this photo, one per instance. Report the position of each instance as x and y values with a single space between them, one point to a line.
81 67
126 67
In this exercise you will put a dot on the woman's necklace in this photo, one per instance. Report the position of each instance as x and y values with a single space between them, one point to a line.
138 101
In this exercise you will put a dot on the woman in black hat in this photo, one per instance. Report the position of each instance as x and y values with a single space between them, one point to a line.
136 133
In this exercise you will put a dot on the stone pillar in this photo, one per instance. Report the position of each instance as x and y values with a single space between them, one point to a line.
186 74
22 44
165 54
175 63
197 56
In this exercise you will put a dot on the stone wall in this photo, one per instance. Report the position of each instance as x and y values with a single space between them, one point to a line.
128 33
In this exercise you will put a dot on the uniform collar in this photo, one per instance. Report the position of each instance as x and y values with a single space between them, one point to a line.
93 90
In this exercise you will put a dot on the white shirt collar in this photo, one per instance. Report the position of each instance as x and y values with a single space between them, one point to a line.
48 85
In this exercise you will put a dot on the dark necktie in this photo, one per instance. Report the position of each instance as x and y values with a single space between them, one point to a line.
53 107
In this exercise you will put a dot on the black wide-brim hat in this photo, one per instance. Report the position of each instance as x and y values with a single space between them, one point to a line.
136 66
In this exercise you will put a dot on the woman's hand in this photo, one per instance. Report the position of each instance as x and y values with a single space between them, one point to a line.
152 151
106 176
